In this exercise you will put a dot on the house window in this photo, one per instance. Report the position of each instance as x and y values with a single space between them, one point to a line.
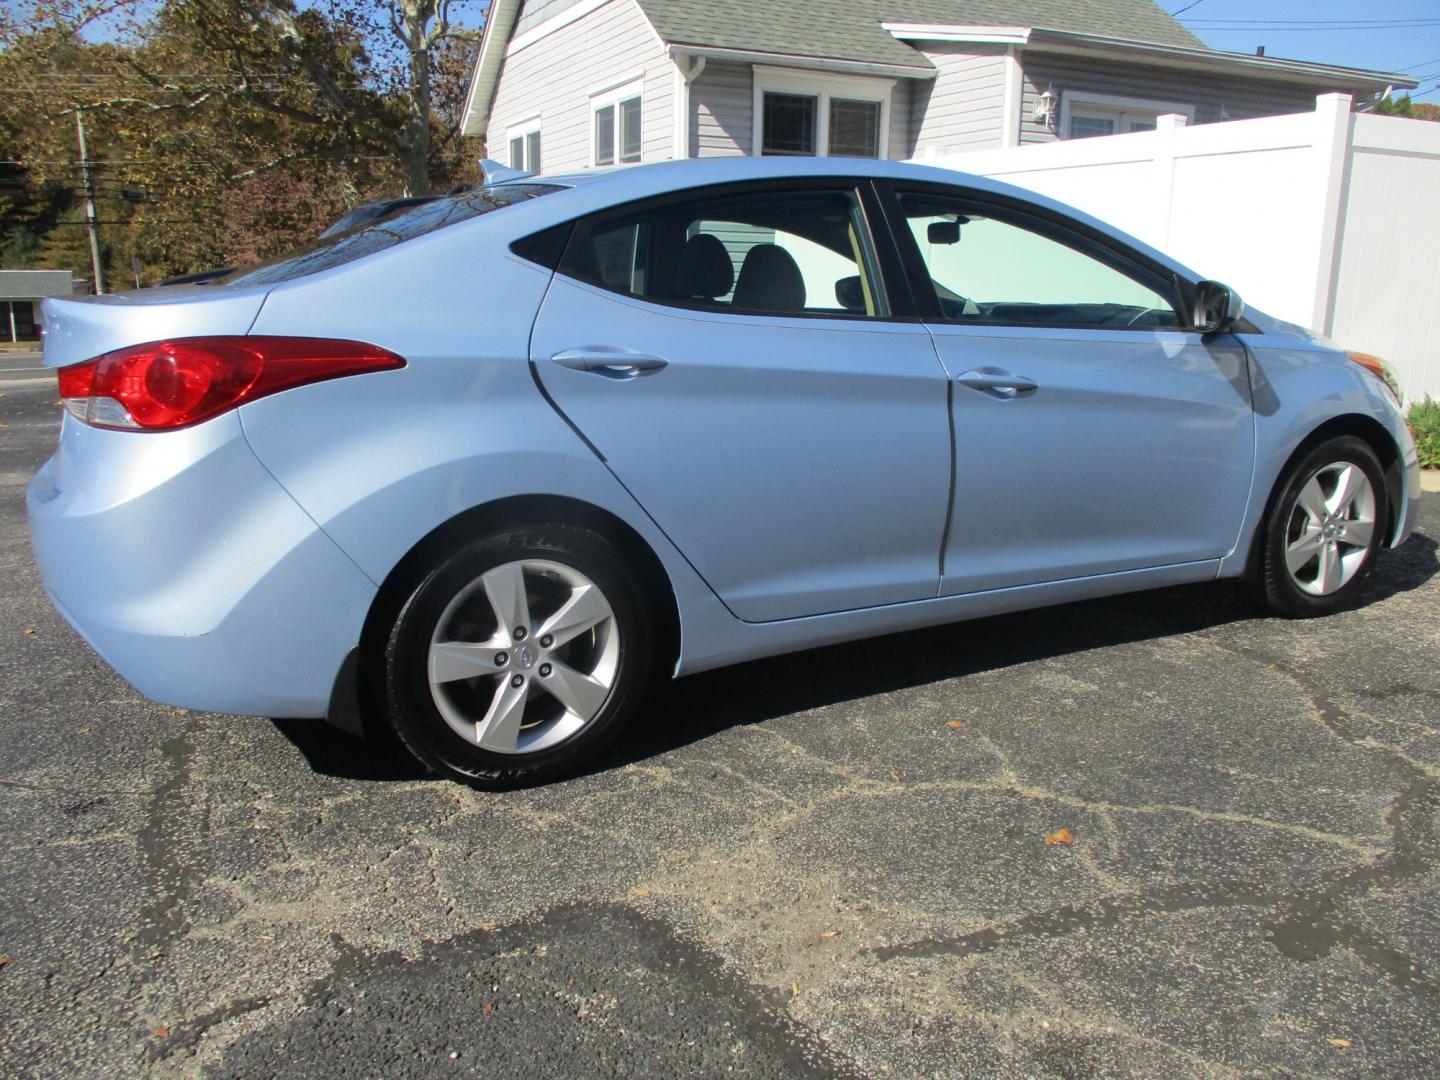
1084 116
854 128
789 124
525 146
617 132
810 113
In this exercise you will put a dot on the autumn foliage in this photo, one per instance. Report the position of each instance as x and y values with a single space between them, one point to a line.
220 131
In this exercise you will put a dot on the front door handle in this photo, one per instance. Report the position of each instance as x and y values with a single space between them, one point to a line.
999 383
611 362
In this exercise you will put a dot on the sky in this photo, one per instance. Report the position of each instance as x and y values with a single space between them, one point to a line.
1329 31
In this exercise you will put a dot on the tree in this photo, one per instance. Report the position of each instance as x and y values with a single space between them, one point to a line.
354 73
227 130
1407 107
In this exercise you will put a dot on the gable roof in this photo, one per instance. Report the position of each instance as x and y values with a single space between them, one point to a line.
851 29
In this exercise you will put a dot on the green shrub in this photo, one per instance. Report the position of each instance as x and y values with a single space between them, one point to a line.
1424 421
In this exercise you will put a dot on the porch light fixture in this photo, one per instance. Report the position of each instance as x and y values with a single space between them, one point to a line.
1045 108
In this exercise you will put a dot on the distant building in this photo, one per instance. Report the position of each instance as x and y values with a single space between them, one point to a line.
20 293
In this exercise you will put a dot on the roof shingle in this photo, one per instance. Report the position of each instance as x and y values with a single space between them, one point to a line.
851 30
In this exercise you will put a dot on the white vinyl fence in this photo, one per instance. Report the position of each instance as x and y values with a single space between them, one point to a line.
1329 219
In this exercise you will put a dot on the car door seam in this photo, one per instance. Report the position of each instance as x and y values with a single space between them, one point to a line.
545 393
954 480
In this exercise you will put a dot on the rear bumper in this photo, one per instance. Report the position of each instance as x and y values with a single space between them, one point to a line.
191 571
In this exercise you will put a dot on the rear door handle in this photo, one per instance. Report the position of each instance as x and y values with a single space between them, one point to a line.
611 362
999 383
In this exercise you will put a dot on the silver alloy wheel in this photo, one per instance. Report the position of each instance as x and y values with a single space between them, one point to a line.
1331 526
524 656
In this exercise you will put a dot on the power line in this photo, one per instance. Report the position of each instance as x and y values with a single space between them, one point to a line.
1423 63
1309 29
1309 23
1186 8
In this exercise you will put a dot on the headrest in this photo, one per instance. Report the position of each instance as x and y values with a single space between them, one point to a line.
770 280
705 268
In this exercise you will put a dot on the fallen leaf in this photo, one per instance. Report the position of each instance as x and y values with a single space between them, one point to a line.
1342 1043
162 1032
487 1008
639 890
794 989
956 725
84 731
4 960
895 776
1060 836
29 631
828 934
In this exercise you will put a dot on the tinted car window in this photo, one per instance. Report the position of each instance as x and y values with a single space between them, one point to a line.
988 270
791 253
405 223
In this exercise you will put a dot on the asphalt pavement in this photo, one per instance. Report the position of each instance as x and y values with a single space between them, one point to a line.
830 864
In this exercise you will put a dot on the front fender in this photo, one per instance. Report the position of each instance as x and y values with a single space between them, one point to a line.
1297 388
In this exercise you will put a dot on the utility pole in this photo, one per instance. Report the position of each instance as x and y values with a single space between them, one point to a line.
94 226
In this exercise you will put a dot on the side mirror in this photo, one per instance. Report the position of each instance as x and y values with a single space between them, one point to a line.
1217 308
850 293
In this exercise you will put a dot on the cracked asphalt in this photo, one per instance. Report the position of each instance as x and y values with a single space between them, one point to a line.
832 864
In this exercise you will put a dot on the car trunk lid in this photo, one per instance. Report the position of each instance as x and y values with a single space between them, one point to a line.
83 327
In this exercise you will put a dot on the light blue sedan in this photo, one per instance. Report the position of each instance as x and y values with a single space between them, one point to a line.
480 467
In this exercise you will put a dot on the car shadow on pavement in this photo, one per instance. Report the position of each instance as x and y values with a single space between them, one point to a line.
699 706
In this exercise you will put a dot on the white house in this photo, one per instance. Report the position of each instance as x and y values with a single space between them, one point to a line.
568 84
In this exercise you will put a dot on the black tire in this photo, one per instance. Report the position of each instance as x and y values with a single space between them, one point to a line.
1276 587
413 711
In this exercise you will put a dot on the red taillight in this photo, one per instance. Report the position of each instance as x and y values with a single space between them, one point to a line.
172 384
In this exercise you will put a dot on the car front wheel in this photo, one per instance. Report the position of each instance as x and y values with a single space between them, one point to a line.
519 656
1324 530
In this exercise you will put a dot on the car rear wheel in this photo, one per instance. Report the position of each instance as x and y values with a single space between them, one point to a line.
1324 530
519 656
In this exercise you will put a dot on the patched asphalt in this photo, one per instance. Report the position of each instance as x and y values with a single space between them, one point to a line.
832 864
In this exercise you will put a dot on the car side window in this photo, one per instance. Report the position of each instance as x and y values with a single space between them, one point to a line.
987 270
767 252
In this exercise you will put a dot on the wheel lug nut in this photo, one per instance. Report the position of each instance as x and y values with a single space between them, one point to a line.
544 671
520 633
517 681
501 659
547 641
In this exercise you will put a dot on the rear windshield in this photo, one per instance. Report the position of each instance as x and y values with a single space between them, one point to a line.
405 223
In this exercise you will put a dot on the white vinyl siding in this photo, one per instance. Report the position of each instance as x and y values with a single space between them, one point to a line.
1213 97
534 12
900 99
721 98
964 107
556 76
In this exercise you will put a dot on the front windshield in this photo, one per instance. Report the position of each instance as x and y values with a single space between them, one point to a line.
405 223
